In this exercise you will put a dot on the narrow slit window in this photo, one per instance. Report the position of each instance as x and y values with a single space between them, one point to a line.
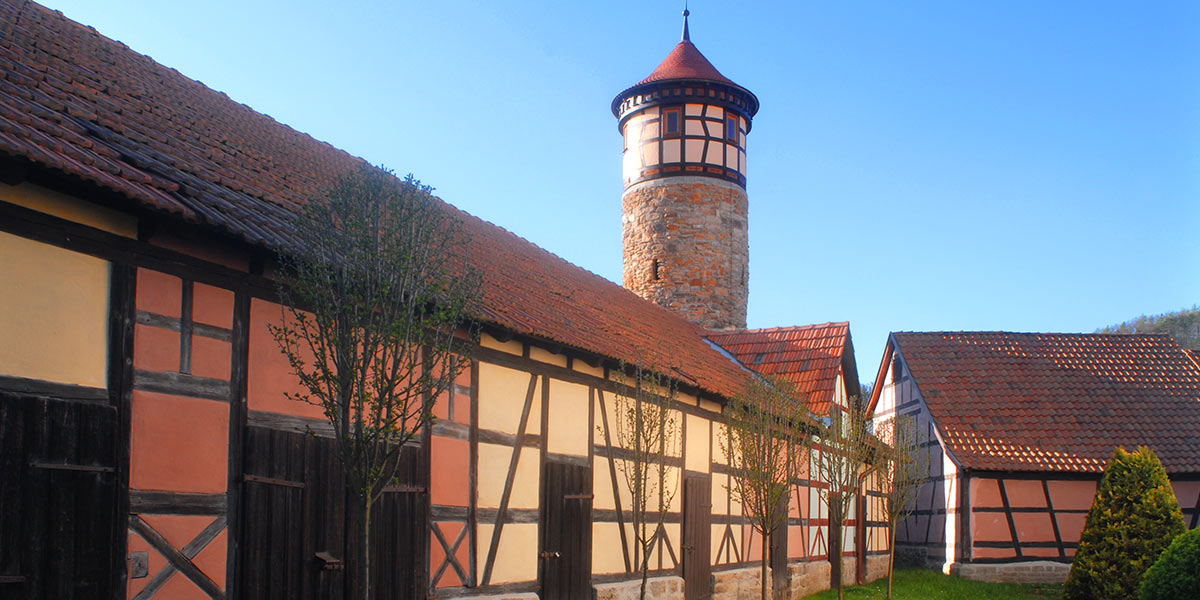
654 269
731 129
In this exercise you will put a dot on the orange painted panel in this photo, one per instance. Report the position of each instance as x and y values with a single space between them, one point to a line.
179 587
212 305
797 543
1034 527
211 559
178 444
437 555
210 358
990 527
1025 493
1070 525
985 493
1040 552
448 472
1072 495
158 292
270 376
752 546
155 349
155 562
179 530
993 553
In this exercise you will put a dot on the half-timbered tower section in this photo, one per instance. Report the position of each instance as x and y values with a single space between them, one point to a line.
684 209
147 446
1019 427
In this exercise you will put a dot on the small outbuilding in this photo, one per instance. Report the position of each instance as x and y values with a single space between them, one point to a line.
1019 428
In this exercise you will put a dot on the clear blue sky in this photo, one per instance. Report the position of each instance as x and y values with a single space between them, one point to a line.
1022 166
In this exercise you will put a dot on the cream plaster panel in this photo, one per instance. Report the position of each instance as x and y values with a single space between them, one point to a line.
686 398
670 489
698 444
511 346
719 444
606 547
583 367
502 397
54 322
710 406
602 498
622 486
516 556
715 538
675 447
695 110
568 422
611 406
720 489
493 471
547 356
70 208
672 530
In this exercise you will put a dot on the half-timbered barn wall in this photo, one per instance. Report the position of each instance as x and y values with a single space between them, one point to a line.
927 537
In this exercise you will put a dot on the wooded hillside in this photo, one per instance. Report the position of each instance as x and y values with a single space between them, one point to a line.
1183 325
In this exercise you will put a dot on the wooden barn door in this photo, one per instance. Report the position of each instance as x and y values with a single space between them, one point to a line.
697 535
293 506
566 555
58 497
296 512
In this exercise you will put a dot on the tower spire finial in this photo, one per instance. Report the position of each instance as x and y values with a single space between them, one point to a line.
686 37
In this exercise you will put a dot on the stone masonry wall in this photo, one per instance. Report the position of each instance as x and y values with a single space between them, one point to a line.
1042 571
696 230
657 588
738 584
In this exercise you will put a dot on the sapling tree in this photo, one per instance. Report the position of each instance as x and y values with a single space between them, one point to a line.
648 432
766 442
375 291
902 466
839 460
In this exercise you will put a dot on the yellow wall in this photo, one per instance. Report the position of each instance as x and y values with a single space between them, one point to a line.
516 557
493 471
511 347
698 444
67 207
54 322
502 393
568 419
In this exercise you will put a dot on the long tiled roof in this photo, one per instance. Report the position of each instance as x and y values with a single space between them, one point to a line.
809 356
90 109
1057 402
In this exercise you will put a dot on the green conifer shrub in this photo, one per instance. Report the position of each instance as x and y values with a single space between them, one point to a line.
1133 518
1176 574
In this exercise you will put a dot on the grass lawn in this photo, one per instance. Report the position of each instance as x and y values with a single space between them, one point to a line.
914 584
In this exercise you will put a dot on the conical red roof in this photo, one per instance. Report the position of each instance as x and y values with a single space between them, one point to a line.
686 62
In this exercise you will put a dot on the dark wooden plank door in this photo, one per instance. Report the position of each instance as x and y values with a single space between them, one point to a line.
293 507
58 494
566 555
399 532
697 536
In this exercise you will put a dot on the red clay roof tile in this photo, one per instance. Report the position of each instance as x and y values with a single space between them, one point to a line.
809 356
1061 402
85 106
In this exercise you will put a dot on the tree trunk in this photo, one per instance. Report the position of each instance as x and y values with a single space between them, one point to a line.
891 556
645 572
364 552
835 543
763 569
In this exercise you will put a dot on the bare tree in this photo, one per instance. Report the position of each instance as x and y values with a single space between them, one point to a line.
838 461
375 291
902 467
648 432
766 443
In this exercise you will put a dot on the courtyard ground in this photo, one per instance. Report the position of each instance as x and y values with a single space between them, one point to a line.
922 584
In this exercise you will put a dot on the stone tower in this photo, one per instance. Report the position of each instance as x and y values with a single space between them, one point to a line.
684 207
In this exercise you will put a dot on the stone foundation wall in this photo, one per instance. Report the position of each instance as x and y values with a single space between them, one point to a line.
1023 572
657 588
511 596
807 578
738 584
877 568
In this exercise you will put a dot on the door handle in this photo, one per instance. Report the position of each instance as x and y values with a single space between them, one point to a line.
550 555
